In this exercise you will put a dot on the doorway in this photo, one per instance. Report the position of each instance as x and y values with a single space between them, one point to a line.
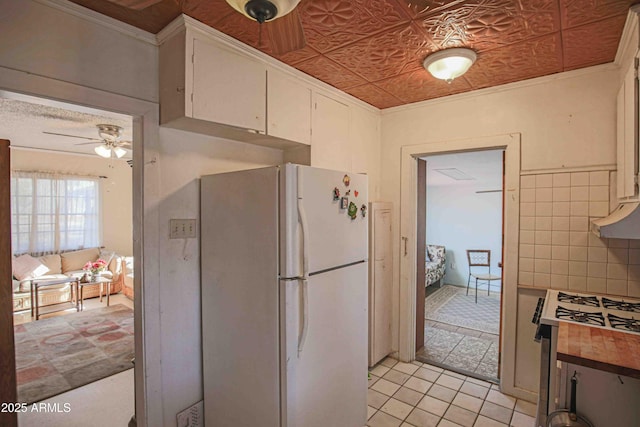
460 215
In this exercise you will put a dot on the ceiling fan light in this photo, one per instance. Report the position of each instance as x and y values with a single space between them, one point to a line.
103 151
275 8
119 151
449 63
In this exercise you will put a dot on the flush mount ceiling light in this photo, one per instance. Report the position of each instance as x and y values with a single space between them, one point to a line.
263 10
449 63
109 149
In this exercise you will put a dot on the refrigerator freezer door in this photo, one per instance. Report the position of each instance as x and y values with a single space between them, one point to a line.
334 238
240 300
326 383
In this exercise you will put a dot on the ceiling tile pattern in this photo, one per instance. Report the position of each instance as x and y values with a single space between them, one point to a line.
374 49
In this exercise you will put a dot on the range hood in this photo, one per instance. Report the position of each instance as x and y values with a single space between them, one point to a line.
622 223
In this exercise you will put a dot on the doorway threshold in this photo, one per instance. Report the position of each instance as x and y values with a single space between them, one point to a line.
420 357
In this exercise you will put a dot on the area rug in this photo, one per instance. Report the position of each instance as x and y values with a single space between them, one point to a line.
450 305
60 353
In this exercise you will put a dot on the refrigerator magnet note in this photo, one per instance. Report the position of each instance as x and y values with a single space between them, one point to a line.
353 210
336 194
363 210
346 180
344 203
355 193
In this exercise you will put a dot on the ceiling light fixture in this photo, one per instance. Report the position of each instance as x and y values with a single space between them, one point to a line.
449 63
109 150
263 10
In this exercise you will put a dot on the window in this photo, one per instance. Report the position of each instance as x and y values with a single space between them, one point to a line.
53 213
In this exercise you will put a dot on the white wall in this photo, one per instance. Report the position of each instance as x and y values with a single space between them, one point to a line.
116 189
460 219
565 121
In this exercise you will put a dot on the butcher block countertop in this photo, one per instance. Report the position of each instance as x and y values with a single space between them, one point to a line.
604 349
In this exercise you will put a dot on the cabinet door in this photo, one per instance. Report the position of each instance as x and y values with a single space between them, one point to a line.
330 134
627 135
288 108
228 88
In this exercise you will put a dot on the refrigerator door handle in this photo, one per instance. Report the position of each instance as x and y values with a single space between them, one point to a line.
304 291
305 264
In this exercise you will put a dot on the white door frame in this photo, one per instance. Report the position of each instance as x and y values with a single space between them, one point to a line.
408 228
148 386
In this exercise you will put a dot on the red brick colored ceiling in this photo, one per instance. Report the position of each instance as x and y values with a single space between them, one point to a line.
373 49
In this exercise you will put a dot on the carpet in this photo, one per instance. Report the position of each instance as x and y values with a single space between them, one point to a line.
60 353
449 304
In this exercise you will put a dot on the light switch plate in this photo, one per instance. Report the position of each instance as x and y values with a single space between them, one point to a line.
182 228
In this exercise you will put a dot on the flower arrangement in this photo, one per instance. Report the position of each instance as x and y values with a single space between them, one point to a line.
95 267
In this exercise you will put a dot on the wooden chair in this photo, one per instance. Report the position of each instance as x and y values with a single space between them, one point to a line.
480 258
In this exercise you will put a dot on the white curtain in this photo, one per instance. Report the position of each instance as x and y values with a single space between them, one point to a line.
51 213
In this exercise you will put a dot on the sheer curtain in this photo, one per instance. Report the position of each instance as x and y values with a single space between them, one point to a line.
53 213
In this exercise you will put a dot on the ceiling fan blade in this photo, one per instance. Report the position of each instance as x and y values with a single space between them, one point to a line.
95 141
286 33
135 4
123 144
70 136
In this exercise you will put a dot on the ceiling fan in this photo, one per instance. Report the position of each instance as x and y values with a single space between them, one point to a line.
110 143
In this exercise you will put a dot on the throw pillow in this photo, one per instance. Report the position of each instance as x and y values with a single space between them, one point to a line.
107 256
28 267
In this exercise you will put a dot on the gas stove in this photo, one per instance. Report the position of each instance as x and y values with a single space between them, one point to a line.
618 313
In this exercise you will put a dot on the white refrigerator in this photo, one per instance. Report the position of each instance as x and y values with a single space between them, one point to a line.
284 297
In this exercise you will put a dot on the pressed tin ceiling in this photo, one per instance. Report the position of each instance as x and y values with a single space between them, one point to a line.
373 49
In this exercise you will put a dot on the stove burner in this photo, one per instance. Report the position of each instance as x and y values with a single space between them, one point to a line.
578 299
580 316
621 305
618 322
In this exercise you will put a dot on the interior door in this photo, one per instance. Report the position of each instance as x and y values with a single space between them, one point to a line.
8 390
421 216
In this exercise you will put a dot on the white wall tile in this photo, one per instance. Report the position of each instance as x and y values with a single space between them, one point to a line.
617 287
578 283
528 195
599 178
527 236
579 208
578 238
543 223
633 288
598 242
634 244
544 209
560 223
597 269
541 280
526 264
527 250
634 256
595 284
543 237
559 281
561 179
544 194
560 252
619 243
525 278
543 252
542 266
579 178
617 271
634 273
528 181
618 256
577 253
598 255
598 209
527 223
579 194
560 238
577 268
562 194
579 223
528 209
544 180
599 193
561 209
560 267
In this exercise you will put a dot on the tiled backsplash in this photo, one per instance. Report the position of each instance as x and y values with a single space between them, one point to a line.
558 251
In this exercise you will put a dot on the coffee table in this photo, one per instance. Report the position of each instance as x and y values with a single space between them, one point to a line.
37 285
97 281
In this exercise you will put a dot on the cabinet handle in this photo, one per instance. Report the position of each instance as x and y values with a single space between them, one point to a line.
406 239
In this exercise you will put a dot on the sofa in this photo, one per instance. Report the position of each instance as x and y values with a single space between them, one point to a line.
60 266
434 265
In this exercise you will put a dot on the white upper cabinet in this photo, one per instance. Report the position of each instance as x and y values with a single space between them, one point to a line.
330 147
288 108
627 136
228 88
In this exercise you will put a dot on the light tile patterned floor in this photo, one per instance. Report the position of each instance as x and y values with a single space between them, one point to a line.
422 395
